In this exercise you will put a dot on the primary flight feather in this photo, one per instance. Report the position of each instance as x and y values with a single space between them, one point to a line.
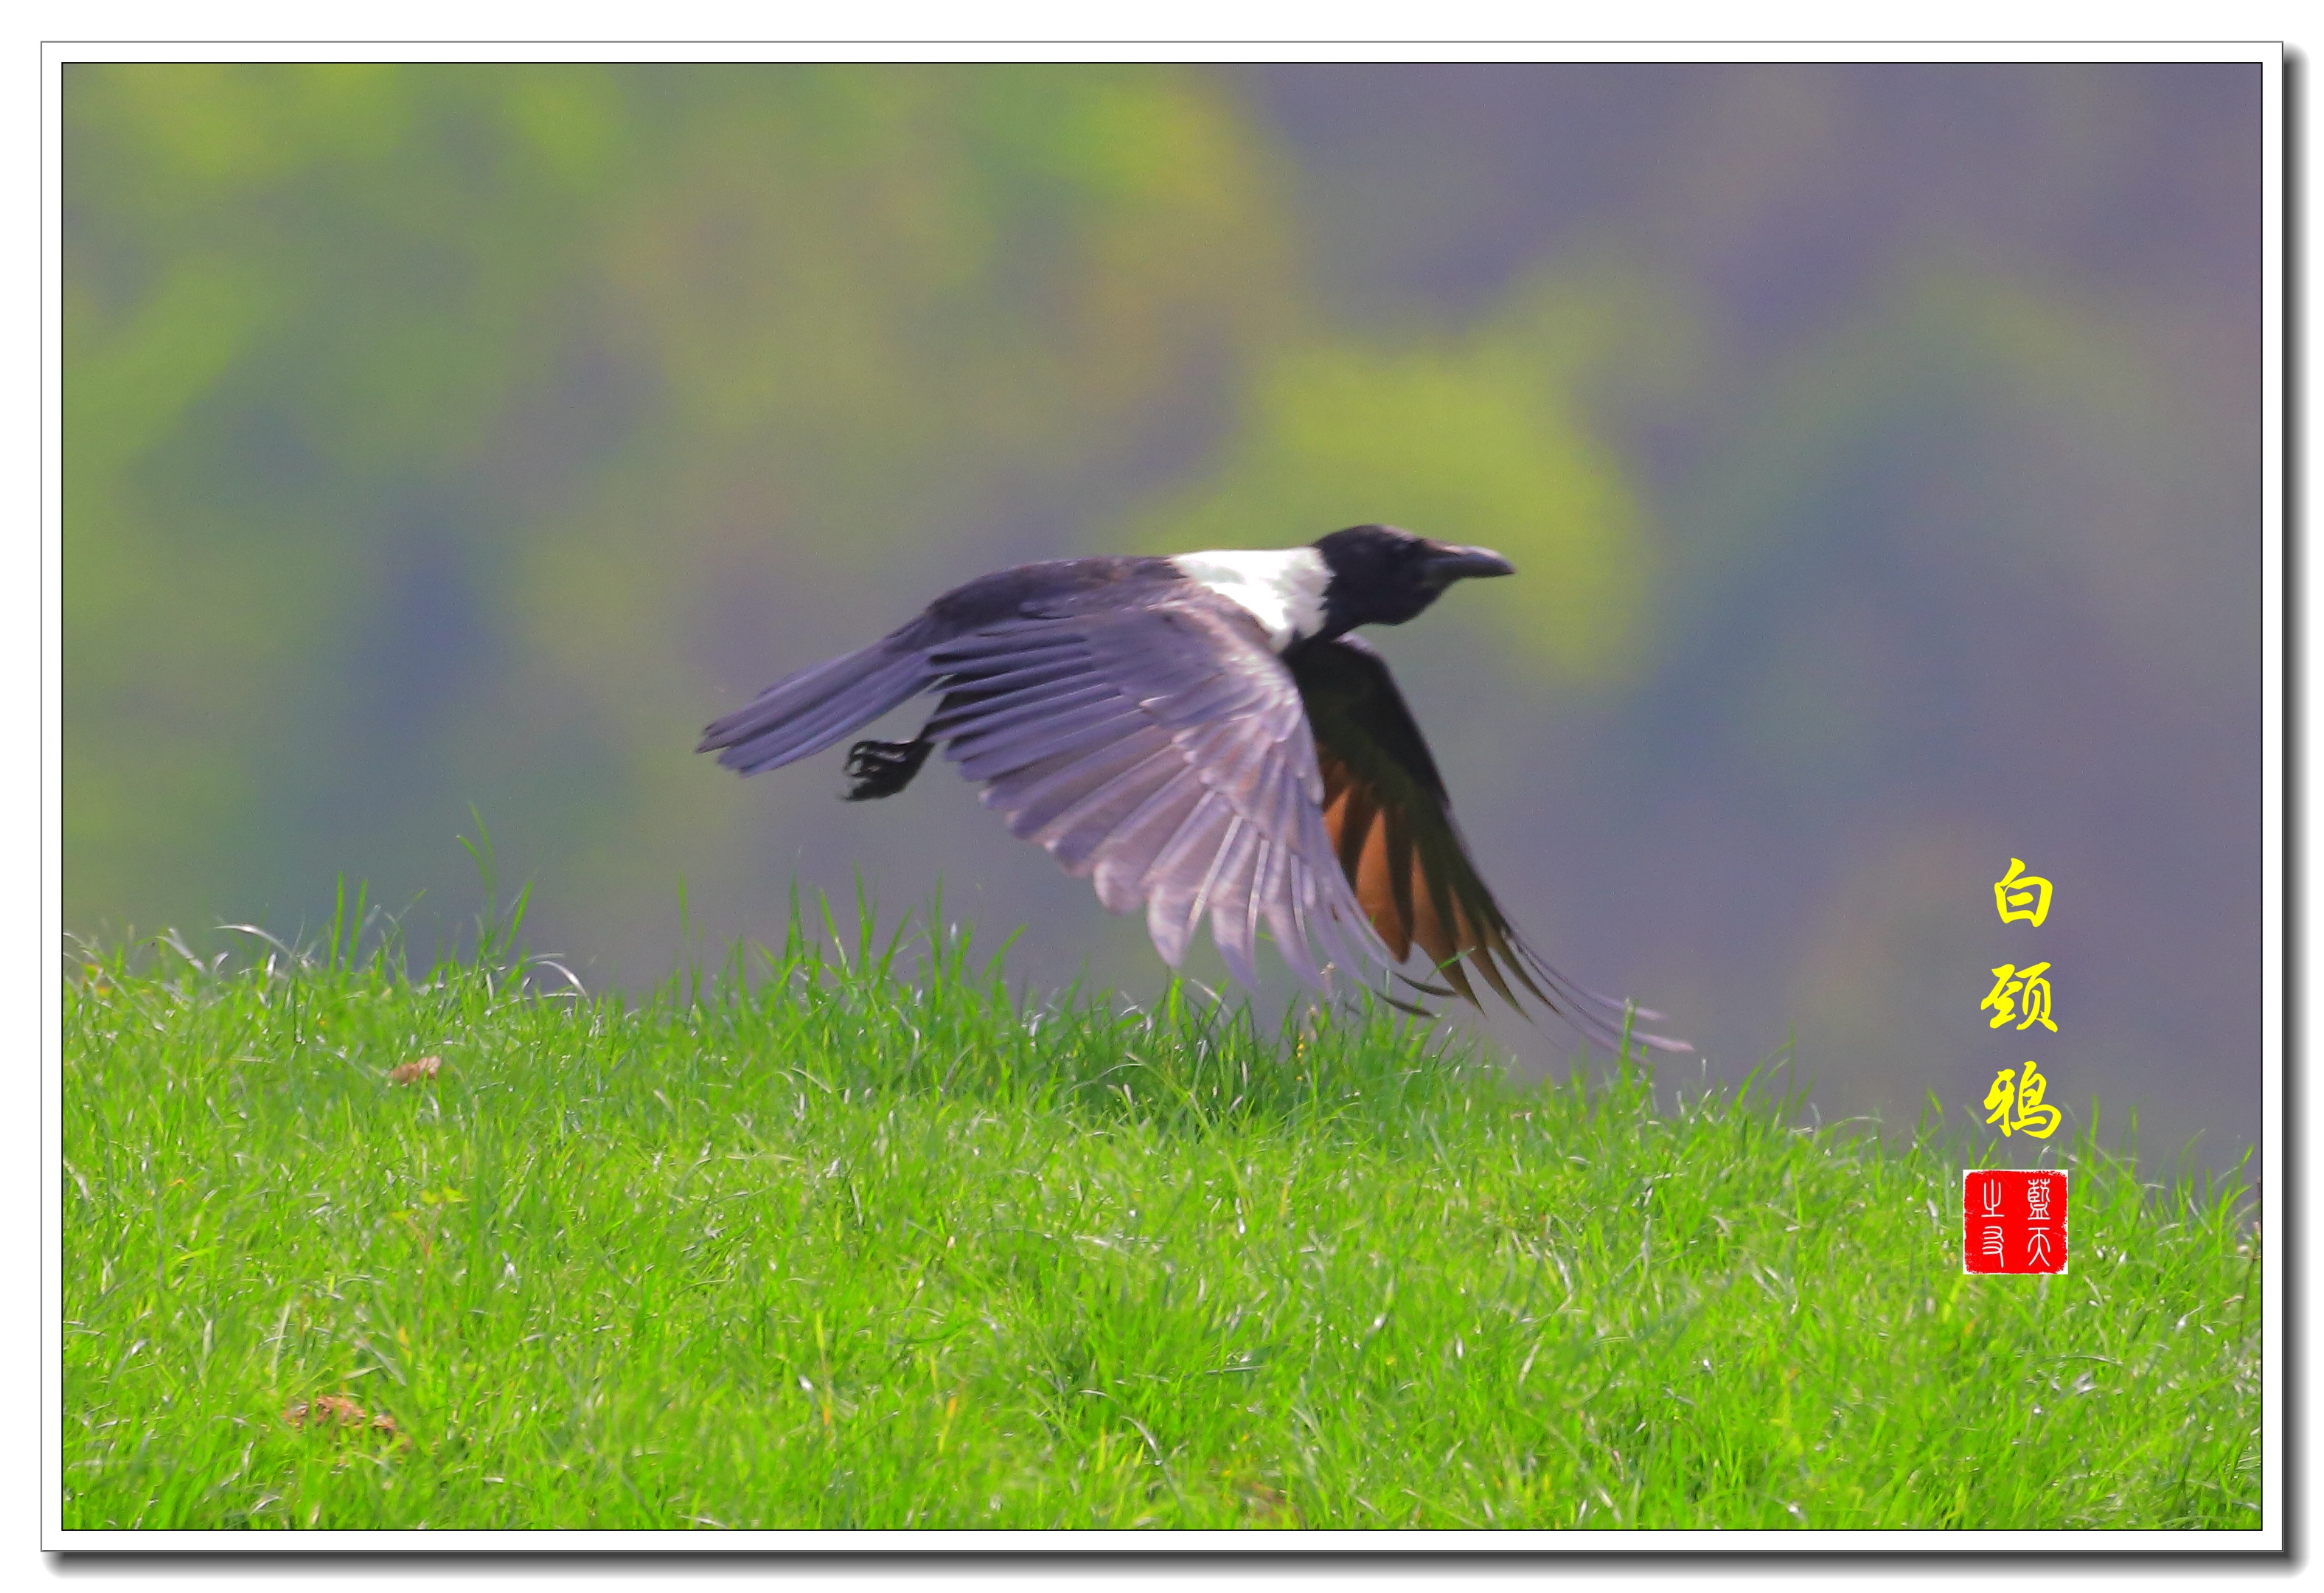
1202 736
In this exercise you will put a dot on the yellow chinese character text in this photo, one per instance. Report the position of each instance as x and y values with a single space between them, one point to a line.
2014 890
2025 1096
2018 990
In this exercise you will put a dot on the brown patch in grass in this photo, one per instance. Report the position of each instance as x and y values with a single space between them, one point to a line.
413 1071
336 1412
1262 1500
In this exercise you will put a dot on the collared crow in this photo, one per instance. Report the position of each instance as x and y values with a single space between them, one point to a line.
1199 735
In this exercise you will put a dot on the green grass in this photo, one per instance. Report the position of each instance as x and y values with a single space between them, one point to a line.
846 1245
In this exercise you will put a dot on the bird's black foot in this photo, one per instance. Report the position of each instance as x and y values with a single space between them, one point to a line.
883 768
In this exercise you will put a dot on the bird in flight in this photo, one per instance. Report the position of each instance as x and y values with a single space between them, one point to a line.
1201 736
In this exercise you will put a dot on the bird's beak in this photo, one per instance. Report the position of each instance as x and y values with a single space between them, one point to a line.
1446 563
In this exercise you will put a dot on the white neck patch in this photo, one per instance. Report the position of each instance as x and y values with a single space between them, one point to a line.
1282 588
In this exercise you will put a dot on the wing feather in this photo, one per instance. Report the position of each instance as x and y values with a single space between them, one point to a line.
1121 866
1142 729
1175 882
1163 751
1227 895
1071 779
1393 833
1007 711
805 713
988 756
1076 784
1078 830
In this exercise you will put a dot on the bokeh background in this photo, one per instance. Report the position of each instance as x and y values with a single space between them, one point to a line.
1879 447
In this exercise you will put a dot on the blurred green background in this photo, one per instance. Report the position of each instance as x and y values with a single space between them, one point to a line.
1878 445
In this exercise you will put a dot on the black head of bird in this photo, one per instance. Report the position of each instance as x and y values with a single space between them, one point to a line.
1382 576
1199 736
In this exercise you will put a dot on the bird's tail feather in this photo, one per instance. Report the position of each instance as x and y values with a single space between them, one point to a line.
793 719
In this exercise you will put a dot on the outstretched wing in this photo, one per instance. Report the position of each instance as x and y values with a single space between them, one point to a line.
806 712
1162 753
1391 826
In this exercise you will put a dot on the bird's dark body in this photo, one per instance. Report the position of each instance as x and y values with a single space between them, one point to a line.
1198 735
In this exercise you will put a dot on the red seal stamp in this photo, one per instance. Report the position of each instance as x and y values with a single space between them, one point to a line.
2013 1220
